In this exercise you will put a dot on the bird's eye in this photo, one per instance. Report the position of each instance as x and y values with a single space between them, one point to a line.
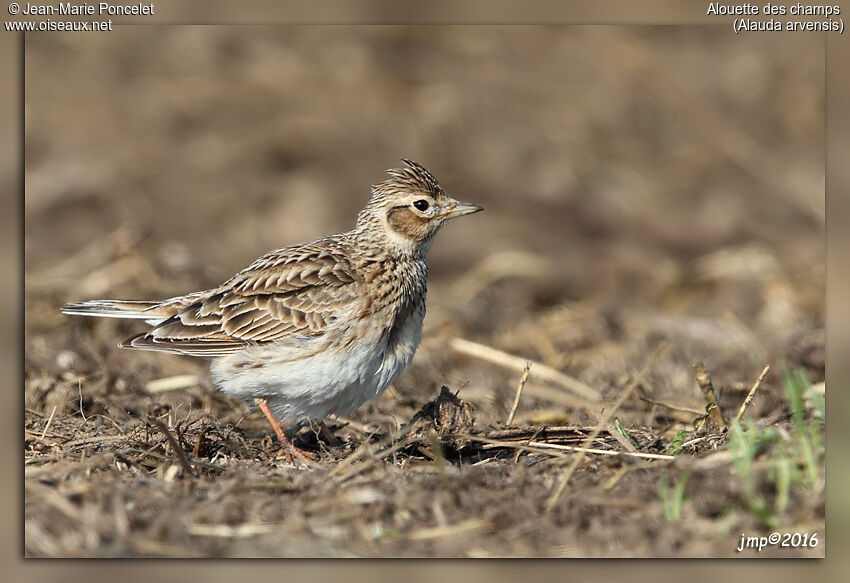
421 205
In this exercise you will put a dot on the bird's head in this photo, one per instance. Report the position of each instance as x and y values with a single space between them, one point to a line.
409 207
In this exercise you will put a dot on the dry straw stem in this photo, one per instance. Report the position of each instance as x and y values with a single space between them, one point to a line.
622 439
47 425
93 439
673 406
181 455
227 531
704 380
530 439
174 383
519 388
580 456
541 446
517 363
376 457
635 454
465 527
752 394
521 447
367 449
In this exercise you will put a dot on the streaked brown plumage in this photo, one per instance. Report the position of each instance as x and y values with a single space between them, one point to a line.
315 328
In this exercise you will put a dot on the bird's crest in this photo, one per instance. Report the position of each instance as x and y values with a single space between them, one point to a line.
413 177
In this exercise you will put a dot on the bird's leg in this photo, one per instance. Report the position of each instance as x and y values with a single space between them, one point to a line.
332 439
290 451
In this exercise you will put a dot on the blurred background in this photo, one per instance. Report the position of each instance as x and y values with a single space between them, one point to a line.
641 183
664 171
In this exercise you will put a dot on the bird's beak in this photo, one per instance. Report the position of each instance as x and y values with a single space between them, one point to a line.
457 208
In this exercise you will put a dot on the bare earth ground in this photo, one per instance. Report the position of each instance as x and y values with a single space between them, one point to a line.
654 199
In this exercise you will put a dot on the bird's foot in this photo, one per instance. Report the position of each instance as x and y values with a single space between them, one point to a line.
289 451
293 454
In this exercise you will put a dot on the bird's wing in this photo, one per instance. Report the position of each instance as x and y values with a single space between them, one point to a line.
294 293
153 312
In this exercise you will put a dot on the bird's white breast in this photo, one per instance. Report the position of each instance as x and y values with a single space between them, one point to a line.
329 380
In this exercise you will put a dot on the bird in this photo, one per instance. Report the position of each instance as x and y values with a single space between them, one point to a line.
316 328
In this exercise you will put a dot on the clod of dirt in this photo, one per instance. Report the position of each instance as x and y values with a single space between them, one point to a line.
448 413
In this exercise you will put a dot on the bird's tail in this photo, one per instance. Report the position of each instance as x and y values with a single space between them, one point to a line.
151 311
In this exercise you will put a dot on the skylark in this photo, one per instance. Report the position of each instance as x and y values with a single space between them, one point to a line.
316 328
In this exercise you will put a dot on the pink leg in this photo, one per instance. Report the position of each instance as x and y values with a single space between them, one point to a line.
290 451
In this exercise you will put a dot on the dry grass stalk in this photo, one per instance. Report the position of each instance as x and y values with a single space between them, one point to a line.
519 389
80 393
673 406
636 454
517 363
371 449
543 447
553 433
530 439
704 380
580 456
622 439
93 439
357 468
172 383
47 425
751 394
228 531
465 527
181 455
40 436
354 425
519 446
544 416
